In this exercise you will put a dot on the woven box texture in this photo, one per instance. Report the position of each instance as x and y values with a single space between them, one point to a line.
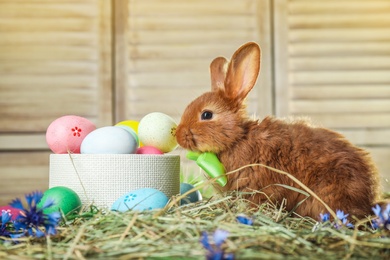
100 179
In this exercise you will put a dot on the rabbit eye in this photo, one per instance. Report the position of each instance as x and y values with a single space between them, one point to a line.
206 115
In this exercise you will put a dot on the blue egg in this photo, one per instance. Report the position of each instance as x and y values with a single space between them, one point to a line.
141 199
109 140
190 198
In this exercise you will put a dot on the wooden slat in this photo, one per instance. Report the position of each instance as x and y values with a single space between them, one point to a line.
105 88
21 173
18 123
47 25
281 49
9 82
337 63
340 35
335 6
169 65
343 20
168 51
340 77
381 157
195 8
50 1
8 9
315 92
47 38
156 23
169 94
18 142
191 37
366 120
34 68
175 79
338 49
340 106
40 53
367 137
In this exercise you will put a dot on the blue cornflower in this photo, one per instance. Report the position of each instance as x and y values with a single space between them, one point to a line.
216 252
324 217
341 217
32 219
245 220
5 220
383 217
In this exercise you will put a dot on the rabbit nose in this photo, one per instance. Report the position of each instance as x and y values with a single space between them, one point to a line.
183 136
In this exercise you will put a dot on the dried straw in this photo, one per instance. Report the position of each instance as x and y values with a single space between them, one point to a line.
174 233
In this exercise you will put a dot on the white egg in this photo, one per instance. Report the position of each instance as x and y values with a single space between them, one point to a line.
158 130
109 140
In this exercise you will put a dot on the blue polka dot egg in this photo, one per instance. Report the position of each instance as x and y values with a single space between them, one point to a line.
141 199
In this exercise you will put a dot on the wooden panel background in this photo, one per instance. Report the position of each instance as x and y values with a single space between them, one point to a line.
55 59
170 44
333 65
110 60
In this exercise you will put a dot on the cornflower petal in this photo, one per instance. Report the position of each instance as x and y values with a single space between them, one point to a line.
17 203
220 237
5 217
39 233
377 210
205 241
325 217
53 217
48 203
340 215
245 220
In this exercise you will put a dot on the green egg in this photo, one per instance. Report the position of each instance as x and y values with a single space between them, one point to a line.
65 200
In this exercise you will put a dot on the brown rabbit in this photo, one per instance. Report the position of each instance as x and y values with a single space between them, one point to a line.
341 174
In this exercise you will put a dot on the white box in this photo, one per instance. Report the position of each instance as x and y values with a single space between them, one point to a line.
100 179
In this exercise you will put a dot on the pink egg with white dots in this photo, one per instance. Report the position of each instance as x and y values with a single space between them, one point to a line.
67 132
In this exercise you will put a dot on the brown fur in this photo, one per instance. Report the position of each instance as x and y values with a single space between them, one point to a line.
341 174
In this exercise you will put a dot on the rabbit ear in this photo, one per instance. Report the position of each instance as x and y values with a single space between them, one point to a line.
218 69
243 70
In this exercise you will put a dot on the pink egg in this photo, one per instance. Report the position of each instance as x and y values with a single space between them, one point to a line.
14 212
67 132
148 150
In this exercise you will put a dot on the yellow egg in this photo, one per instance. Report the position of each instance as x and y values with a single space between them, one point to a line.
158 130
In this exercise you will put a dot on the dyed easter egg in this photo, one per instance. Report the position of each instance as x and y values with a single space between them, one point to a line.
109 140
141 199
148 150
66 133
131 131
13 211
191 197
158 130
65 200
132 125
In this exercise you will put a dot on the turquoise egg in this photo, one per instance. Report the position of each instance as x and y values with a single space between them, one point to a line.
190 198
141 199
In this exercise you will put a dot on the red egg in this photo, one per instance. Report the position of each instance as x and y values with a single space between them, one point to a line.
66 133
